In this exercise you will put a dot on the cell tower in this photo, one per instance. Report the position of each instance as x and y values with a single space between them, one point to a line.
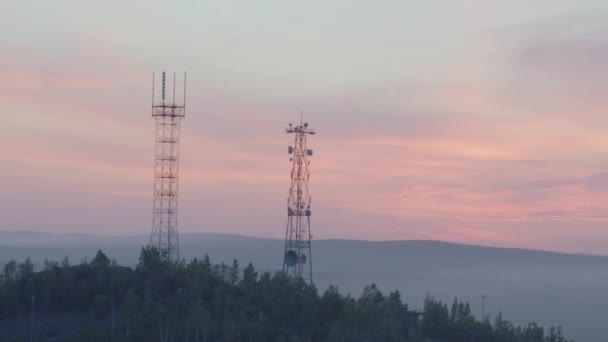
168 115
297 261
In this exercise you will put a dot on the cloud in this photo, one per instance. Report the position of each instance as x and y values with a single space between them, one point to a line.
509 151
596 182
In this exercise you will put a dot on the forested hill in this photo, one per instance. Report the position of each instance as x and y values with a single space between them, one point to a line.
199 301
525 285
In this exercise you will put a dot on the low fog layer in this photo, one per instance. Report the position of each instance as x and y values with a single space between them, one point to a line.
548 288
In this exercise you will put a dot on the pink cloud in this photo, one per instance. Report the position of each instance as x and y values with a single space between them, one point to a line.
462 162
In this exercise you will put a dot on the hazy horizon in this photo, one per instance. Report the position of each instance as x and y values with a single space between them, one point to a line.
145 236
522 284
469 122
456 149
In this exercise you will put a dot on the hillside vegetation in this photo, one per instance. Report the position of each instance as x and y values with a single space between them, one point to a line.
197 301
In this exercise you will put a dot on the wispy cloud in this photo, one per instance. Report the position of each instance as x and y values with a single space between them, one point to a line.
479 134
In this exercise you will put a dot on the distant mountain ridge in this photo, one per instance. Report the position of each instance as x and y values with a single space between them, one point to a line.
526 285
387 248
10 237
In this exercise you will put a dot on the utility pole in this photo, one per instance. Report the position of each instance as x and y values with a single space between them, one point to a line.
113 317
483 307
32 321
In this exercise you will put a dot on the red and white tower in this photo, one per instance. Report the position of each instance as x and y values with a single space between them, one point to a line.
168 115
297 258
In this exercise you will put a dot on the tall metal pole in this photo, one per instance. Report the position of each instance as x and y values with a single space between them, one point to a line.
483 307
32 320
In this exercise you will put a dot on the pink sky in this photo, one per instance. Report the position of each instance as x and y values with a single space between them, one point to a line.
485 126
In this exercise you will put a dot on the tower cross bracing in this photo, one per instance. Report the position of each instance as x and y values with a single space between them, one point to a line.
167 115
297 259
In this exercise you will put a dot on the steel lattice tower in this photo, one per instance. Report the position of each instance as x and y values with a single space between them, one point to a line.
297 260
168 115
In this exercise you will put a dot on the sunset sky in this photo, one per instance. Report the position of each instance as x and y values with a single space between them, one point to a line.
471 121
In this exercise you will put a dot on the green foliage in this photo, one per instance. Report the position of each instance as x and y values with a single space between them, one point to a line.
100 260
198 301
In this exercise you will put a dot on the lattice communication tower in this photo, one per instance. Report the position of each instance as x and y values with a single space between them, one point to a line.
297 258
168 115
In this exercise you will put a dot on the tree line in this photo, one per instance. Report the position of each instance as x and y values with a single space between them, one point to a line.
198 301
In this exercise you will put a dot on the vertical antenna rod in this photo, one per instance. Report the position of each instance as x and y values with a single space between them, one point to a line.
153 78
297 257
168 116
163 86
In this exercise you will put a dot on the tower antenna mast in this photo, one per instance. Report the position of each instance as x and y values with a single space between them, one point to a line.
297 257
168 116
